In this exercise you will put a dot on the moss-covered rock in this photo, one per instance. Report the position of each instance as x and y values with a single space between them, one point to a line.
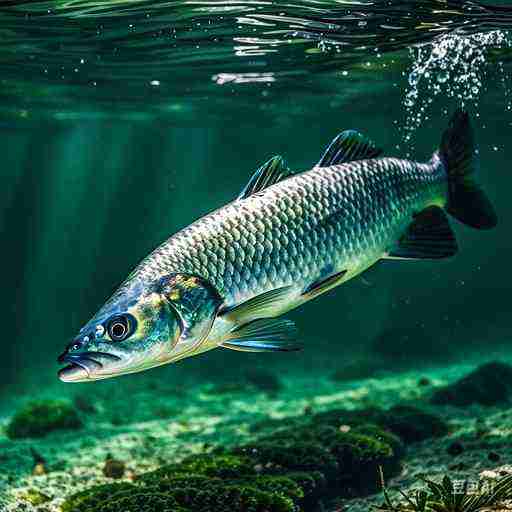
302 462
242 498
219 465
140 501
410 424
282 485
266 495
312 483
350 458
168 479
95 496
276 456
35 497
382 435
489 384
36 419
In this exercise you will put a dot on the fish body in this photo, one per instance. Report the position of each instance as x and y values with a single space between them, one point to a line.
325 220
287 238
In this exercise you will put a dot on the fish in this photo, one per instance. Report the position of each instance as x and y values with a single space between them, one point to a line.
225 280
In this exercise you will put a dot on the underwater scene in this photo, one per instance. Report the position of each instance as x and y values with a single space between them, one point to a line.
256 255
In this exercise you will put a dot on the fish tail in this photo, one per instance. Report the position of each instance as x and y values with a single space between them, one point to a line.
467 201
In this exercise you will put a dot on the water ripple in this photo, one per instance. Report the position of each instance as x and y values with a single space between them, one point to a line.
72 57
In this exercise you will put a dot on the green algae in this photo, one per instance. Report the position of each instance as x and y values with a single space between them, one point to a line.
350 459
213 466
242 498
35 497
39 418
296 467
139 501
189 495
92 498
410 424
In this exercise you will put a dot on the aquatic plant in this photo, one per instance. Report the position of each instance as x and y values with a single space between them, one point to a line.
242 498
304 460
36 419
489 384
311 483
95 496
350 458
189 494
139 501
276 456
35 497
211 465
271 475
446 497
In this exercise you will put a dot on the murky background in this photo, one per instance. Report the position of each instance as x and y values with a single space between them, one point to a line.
123 121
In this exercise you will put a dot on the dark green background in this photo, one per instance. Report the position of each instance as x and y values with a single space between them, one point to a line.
82 202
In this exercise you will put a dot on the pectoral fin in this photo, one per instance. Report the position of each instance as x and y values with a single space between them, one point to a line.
264 305
264 335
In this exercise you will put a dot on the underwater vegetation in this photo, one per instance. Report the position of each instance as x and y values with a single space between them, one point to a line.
39 418
303 462
445 497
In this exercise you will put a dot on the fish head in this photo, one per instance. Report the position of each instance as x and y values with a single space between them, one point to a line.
133 331
142 326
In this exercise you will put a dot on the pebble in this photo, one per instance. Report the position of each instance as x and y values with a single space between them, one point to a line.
114 468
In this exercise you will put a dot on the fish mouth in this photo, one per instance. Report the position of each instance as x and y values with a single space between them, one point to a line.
82 367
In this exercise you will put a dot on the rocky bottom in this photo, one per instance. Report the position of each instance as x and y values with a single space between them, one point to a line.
264 443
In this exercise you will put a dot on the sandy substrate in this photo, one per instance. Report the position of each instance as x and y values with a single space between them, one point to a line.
147 425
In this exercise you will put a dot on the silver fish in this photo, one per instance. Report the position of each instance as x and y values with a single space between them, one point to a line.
224 280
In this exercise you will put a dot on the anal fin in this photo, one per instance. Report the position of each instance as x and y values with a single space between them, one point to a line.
322 285
263 335
428 237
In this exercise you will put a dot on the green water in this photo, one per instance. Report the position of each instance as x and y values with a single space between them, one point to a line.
124 121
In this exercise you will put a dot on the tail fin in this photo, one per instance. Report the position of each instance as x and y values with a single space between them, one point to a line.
467 202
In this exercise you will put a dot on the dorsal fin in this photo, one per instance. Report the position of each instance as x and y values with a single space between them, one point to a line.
269 173
348 146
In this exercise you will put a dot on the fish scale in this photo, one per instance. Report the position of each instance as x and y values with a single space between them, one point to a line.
289 233
224 280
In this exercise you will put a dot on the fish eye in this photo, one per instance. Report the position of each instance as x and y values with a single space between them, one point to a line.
120 327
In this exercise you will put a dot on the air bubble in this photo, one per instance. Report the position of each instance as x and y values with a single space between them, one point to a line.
453 65
443 76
